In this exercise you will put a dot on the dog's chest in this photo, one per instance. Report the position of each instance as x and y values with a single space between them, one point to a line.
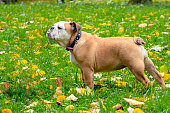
73 60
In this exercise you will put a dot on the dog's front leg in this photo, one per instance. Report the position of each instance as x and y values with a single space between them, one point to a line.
88 74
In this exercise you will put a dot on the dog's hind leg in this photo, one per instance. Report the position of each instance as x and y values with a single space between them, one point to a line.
138 72
149 66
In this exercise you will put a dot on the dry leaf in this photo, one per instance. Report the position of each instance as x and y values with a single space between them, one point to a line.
94 110
59 81
32 104
137 110
61 97
69 107
130 110
71 97
46 101
142 25
95 105
102 104
29 111
58 92
133 102
59 103
118 106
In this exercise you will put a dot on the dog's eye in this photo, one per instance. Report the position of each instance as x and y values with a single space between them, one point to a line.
59 27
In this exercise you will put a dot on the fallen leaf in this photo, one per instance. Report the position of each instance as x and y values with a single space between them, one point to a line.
121 30
157 48
2 52
69 107
119 111
118 106
61 97
142 25
102 104
130 110
59 81
97 75
59 103
46 101
95 105
29 111
6 111
94 110
58 92
71 97
137 110
133 102
32 104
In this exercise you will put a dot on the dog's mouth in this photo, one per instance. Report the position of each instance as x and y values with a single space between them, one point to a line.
49 35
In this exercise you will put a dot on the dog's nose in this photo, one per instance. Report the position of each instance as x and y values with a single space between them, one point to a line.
52 28
48 33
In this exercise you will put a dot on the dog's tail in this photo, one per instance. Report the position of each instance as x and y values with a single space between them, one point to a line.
138 41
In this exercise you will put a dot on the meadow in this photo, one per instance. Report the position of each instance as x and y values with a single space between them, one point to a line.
36 74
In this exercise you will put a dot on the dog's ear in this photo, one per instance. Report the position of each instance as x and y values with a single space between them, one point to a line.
75 27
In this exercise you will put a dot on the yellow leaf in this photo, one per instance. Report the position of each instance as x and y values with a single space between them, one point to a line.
31 38
69 107
121 29
27 87
2 68
166 76
137 110
34 67
133 102
61 98
88 27
72 97
41 72
38 52
142 25
6 111
157 33
164 69
120 111
32 104
95 105
51 87
46 101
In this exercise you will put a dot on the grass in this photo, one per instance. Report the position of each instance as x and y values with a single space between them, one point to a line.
23 30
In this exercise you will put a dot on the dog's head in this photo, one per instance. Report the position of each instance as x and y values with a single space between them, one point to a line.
62 31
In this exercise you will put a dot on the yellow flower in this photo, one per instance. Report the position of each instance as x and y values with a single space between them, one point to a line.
55 63
38 52
120 83
41 72
88 27
2 68
34 67
157 33
32 37
61 98
51 87
27 87
121 30
166 76
24 62
35 74
6 111
120 111
137 110
17 55
41 18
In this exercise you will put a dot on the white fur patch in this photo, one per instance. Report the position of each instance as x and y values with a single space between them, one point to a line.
144 51
59 34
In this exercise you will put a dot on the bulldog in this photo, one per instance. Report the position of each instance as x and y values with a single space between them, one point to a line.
94 54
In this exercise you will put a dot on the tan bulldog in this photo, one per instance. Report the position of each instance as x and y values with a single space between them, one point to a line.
94 54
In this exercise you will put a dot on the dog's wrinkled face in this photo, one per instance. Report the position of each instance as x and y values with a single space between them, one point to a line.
62 31
58 32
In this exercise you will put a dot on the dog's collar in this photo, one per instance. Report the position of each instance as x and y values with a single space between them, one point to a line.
70 47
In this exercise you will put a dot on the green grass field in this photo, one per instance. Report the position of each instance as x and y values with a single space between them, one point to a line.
30 63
